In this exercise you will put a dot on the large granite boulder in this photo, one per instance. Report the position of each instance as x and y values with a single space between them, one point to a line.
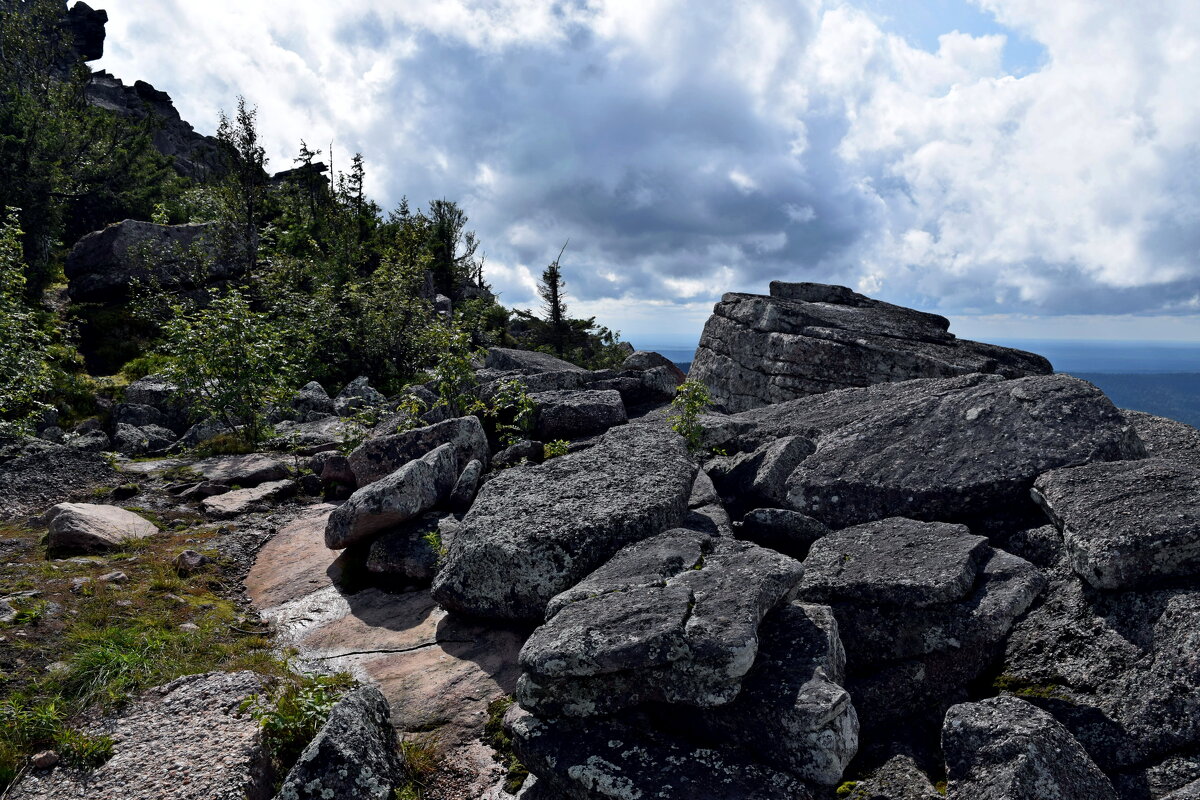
409 492
1003 748
950 448
91 528
356 396
616 759
228 505
574 414
648 359
243 471
810 338
537 530
1128 522
504 358
922 610
353 757
383 455
782 529
104 264
673 618
760 475
406 557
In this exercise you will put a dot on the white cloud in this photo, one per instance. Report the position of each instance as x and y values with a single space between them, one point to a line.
688 149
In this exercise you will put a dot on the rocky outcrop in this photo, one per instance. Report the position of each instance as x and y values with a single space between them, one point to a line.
104 265
573 414
383 455
537 530
808 338
228 505
242 471
353 756
193 155
504 358
91 528
952 448
1004 748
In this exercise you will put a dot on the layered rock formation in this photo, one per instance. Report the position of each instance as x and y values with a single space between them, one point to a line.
809 338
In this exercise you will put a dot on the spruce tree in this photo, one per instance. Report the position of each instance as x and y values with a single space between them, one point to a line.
551 290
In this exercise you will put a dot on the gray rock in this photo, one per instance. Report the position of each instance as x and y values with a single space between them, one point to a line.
352 757
201 432
243 471
1189 792
7 612
404 556
53 433
941 449
637 387
133 441
103 265
1004 748
90 528
153 391
792 711
357 395
673 618
575 414
609 759
524 452
376 458
312 436
895 562
311 398
139 415
336 469
758 350
1128 522
534 531
467 485
244 501
760 476
898 779
646 359
410 491
90 442
189 561
204 489
1165 438
782 529
504 358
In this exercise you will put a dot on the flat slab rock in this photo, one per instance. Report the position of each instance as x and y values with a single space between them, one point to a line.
379 457
608 759
185 740
243 501
242 471
1126 523
437 672
941 449
1004 748
673 619
573 414
535 531
809 338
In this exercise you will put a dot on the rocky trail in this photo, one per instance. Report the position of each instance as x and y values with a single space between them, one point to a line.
892 565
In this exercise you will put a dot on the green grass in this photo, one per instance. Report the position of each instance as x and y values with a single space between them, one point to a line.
419 761
495 735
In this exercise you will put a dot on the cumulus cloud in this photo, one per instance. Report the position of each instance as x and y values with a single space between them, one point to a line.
685 150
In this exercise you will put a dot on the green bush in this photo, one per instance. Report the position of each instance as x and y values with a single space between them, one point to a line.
691 400
555 448
24 369
512 408
292 715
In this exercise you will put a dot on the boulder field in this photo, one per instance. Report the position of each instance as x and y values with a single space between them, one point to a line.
898 565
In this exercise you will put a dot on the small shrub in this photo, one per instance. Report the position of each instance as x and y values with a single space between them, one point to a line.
556 448
292 715
495 735
434 540
513 410
225 444
83 750
691 400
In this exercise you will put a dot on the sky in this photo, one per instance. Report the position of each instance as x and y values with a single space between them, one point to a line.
1029 169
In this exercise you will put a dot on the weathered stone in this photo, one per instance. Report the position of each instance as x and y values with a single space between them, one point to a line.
103 265
90 528
1004 748
504 358
467 485
894 562
353 756
204 489
574 414
139 415
357 395
609 759
792 711
1165 438
760 476
153 391
405 556
534 531
654 385
201 432
898 779
758 350
1128 522
646 359
673 618
1189 792
312 436
90 442
242 471
189 561
941 449
376 458
244 501
526 451
410 491
782 529
186 740
312 397
131 441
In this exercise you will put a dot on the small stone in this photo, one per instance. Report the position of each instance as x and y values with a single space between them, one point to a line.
113 577
188 561
44 760
189 626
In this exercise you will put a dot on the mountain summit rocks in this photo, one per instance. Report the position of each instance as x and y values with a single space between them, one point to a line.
809 338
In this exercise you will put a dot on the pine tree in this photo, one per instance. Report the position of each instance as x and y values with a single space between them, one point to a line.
551 290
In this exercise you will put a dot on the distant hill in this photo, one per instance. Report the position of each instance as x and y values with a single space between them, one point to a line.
1174 395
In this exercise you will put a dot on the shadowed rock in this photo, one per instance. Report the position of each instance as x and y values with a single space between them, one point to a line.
810 338
574 414
381 456
535 531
